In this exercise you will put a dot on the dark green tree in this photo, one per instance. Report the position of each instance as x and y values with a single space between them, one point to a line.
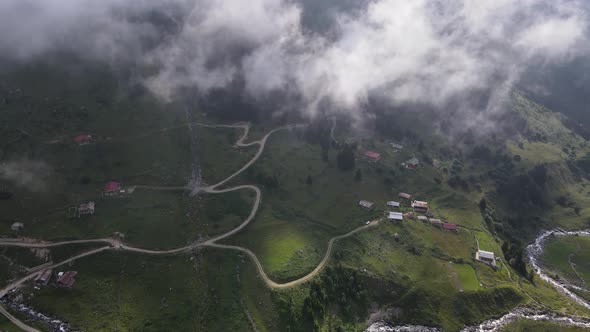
483 205
345 159
358 175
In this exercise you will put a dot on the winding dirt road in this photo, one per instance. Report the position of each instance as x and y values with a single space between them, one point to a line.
115 244
305 278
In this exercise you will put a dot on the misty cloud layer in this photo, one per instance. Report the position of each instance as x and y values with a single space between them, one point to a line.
24 173
426 51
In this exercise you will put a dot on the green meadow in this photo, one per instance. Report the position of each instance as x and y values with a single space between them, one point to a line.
409 272
568 257
524 325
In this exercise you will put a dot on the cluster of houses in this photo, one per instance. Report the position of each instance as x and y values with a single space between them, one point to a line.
419 207
420 212
111 188
114 188
376 156
373 156
62 279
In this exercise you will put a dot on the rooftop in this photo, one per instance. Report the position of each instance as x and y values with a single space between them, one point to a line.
87 206
420 204
112 186
395 216
405 195
44 277
485 254
67 279
449 226
393 204
366 204
372 154
82 138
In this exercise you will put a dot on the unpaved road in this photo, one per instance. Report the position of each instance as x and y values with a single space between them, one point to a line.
305 278
114 244
17 322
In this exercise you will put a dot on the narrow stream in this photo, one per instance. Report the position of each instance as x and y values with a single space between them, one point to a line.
533 251
53 324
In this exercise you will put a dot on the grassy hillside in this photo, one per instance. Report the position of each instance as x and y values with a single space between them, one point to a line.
569 258
138 292
526 325
500 191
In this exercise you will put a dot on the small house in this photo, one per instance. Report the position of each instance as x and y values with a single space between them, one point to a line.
409 215
447 226
423 219
412 163
420 206
435 221
393 205
396 147
366 204
486 257
127 191
372 155
395 216
111 188
44 277
405 196
66 279
86 208
17 226
83 139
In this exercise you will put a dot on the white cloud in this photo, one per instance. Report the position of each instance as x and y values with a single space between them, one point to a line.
552 38
422 50
24 173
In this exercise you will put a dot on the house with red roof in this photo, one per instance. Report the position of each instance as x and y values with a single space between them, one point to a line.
66 279
372 155
83 139
405 196
412 163
447 226
111 188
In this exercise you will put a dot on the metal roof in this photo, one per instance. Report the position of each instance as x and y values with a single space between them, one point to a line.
395 216
485 254
420 204
405 195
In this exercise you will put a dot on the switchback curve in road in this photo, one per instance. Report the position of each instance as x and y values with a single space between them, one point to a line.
272 284
118 245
